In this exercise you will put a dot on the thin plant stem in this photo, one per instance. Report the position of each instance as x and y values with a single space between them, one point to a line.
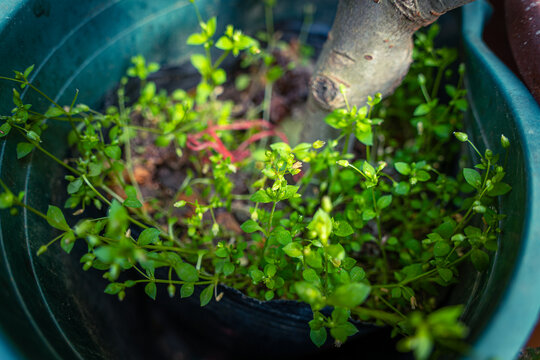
389 318
392 307
379 235
268 228
95 190
129 161
40 148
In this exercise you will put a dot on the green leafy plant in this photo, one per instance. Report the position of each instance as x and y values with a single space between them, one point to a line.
367 230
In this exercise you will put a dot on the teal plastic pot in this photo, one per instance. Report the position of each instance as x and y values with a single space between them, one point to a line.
51 309
505 304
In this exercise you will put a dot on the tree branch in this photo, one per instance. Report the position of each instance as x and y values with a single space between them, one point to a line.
369 48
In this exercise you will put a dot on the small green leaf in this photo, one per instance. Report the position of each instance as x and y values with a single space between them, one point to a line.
445 274
148 236
479 259
441 248
5 128
342 228
211 26
106 254
17 98
281 235
446 229
56 219
318 336
256 274
250 226
364 133
311 276
308 293
180 204
201 63
472 177
94 169
23 149
457 238
368 214
260 197
293 249
68 241
422 109
422 175
187 272
269 295
242 82
343 331
384 202
113 288
396 293
219 76
336 251
270 270
113 151
369 170
130 283
74 186
196 39
222 252
350 295
289 192
314 259
402 188
499 189
131 200
228 268
357 274
187 290
340 315
450 90
224 43
151 290
54 111
28 70
118 219
32 135
206 295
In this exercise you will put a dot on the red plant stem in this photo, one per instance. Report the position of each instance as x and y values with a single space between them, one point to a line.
241 152
244 125
220 147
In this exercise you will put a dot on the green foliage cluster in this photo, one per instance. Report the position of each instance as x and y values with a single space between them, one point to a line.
366 232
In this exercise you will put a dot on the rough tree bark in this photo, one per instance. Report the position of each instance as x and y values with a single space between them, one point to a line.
369 50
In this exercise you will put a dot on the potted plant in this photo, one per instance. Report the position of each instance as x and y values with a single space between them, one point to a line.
290 246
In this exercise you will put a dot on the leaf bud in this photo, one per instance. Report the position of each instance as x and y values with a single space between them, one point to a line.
41 250
318 144
87 265
505 142
326 204
171 289
461 136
